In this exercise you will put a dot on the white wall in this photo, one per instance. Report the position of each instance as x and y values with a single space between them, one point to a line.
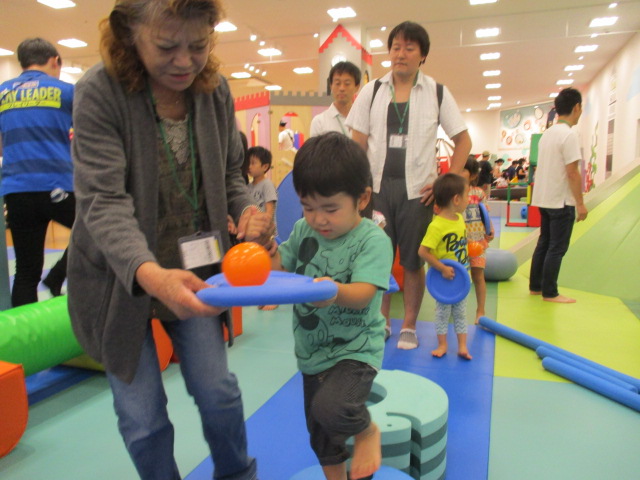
615 93
484 129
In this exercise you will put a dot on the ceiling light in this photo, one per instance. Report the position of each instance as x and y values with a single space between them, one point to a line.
570 74
303 70
375 43
253 37
586 48
573 68
273 87
262 43
594 35
518 102
487 32
492 85
495 105
257 70
241 75
553 95
491 73
246 65
494 98
269 52
468 110
5 53
264 73
316 35
613 5
383 29
490 56
72 43
225 27
338 13
481 2
252 68
57 4
74 70
603 22
386 63
567 81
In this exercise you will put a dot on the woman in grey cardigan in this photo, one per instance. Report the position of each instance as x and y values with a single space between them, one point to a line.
157 167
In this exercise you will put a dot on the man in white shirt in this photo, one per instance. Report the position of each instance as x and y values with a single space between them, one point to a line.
344 81
285 137
558 194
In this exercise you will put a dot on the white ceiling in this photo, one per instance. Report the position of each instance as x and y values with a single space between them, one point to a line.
537 40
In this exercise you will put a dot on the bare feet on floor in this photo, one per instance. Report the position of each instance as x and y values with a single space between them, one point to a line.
267 307
534 292
559 299
464 353
440 352
367 453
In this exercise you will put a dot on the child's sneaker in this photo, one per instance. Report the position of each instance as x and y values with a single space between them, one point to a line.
408 339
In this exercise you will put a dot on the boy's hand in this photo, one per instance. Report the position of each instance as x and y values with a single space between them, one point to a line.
329 301
448 272
490 236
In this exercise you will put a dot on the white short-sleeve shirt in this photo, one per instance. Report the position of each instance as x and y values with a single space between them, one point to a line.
371 119
331 120
558 147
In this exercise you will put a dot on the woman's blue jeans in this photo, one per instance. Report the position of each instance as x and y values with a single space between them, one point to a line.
141 406
555 233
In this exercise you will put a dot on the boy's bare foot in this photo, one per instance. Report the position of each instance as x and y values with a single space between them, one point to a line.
267 307
534 292
559 299
367 453
440 352
464 353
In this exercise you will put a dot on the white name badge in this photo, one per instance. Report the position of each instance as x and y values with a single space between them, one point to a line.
200 249
398 141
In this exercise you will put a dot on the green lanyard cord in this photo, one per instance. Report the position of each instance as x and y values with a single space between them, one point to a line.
406 106
191 199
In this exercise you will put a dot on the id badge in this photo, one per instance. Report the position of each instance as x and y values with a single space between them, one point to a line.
398 141
200 249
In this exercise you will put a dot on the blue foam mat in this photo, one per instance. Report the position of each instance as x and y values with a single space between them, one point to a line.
278 437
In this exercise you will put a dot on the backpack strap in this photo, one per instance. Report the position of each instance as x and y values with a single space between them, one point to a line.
376 87
439 93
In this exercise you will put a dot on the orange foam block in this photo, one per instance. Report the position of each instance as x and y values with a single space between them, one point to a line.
14 406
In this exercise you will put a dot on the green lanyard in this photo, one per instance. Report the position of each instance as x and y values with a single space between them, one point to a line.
565 122
406 106
192 199
341 125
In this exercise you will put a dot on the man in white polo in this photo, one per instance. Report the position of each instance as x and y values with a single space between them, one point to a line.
344 81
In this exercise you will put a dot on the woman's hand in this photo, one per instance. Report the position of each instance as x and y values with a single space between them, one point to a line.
256 226
176 289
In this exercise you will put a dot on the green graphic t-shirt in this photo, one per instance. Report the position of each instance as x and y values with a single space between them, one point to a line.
325 336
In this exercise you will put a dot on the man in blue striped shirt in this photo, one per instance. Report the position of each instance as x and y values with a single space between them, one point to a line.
37 172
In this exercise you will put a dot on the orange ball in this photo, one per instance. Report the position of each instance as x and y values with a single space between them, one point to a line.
475 249
246 264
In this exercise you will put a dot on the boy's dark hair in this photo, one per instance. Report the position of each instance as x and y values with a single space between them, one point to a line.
36 51
446 187
330 164
566 100
348 68
261 154
412 32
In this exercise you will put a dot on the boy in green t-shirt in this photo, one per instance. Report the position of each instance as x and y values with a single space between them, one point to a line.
339 343
446 238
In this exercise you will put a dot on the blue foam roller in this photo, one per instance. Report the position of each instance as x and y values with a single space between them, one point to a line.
393 285
511 334
486 219
596 366
544 352
598 385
